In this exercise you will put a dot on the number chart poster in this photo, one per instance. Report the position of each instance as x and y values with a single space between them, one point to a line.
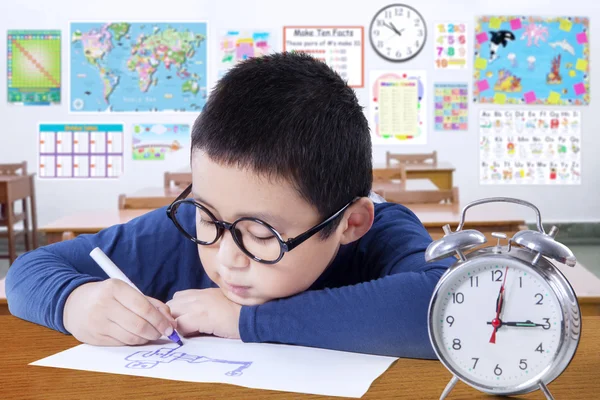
237 46
80 151
450 46
340 47
138 67
33 67
154 141
532 61
530 147
451 101
398 109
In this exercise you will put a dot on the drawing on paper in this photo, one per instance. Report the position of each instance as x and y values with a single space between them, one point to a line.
532 60
165 355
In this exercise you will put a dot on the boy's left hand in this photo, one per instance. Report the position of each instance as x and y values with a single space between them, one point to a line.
205 311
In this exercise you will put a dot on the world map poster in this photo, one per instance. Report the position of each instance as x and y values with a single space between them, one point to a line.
138 67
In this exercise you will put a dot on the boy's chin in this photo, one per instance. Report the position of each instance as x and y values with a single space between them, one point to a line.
245 300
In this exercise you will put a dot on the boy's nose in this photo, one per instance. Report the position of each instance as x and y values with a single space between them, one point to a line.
229 254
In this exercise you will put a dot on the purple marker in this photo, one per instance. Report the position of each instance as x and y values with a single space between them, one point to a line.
114 272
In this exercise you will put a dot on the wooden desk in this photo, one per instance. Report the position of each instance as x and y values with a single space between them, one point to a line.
405 379
88 222
440 174
14 188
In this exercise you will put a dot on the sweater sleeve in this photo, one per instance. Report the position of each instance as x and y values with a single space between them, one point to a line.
385 313
40 281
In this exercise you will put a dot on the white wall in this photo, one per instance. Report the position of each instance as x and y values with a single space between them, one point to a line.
18 135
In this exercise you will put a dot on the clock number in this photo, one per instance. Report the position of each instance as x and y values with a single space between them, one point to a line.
458 298
376 32
379 44
407 13
417 22
409 51
498 370
523 364
417 44
450 320
441 28
496 275
450 28
456 344
476 280
547 324
450 51
398 12
388 14
420 33
380 22
540 348
539 302
476 360
520 281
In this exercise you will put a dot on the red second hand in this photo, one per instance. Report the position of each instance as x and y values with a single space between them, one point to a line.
496 321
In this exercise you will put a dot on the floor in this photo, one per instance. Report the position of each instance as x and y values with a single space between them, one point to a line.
588 255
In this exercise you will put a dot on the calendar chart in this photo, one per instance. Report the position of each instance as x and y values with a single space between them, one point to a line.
80 151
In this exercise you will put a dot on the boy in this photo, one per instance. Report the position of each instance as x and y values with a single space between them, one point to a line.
282 153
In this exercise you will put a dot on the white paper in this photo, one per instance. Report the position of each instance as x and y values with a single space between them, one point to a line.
253 365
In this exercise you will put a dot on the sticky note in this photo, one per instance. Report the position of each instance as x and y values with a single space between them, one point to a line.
480 63
500 98
582 38
553 97
495 23
581 65
565 25
515 24
482 37
579 88
530 97
483 85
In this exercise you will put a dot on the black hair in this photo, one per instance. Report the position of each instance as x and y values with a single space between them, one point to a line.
289 115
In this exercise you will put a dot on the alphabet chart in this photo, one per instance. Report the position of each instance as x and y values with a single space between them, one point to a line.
450 46
451 106
530 147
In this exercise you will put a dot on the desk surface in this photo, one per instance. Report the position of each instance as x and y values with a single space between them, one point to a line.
92 221
405 379
12 178
440 166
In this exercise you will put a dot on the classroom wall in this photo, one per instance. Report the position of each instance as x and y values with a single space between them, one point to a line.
57 198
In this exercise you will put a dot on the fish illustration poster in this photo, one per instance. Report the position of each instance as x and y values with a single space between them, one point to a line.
532 60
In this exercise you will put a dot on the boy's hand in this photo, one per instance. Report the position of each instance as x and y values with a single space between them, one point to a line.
112 313
206 311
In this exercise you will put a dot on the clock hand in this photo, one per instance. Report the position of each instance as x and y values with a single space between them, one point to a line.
526 324
496 322
399 32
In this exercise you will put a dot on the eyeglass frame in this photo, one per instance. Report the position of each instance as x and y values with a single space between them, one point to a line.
285 246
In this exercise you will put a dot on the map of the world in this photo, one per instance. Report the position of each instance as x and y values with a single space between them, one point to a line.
138 67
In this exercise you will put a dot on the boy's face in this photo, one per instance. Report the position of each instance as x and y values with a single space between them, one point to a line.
229 193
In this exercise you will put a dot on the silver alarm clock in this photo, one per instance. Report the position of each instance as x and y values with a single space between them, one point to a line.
503 319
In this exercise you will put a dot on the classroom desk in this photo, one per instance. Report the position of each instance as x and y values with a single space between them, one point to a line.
440 174
405 379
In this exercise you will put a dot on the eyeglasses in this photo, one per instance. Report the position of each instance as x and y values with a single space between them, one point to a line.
255 238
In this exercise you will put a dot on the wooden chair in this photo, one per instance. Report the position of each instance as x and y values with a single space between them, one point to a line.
136 203
389 179
442 198
9 217
392 159
3 301
177 179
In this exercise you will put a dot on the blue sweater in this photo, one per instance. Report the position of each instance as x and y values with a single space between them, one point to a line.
373 298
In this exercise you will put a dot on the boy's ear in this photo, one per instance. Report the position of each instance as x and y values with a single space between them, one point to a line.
357 221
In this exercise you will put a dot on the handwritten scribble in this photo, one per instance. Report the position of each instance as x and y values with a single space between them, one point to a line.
165 355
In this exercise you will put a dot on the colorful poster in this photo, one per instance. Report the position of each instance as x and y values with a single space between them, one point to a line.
340 47
138 66
532 60
398 109
155 141
450 46
530 147
451 101
236 46
80 151
33 67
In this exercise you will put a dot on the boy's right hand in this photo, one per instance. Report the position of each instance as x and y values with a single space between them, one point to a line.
112 313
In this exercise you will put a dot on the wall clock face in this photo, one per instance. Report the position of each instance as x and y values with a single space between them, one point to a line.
398 32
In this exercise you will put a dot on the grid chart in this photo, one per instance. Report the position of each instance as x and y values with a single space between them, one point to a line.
33 67
81 150
451 106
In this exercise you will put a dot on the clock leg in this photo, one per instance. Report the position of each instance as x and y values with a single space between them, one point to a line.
449 387
545 390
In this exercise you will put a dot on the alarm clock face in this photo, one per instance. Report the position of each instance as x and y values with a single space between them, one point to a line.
496 323
398 32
